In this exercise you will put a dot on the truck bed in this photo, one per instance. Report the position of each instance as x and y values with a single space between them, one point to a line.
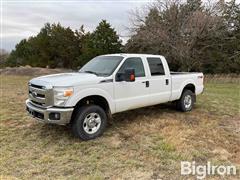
182 73
180 78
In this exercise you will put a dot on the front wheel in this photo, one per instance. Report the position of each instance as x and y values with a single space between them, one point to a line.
185 103
89 122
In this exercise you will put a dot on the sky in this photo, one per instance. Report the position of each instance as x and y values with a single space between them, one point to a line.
24 18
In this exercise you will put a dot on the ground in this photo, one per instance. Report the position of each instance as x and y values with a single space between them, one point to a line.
147 143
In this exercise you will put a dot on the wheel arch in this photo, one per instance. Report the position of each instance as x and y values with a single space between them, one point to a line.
92 99
191 87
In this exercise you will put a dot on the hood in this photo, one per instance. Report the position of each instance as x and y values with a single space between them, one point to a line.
67 79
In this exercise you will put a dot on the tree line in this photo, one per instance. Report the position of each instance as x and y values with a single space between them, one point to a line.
56 46
194 36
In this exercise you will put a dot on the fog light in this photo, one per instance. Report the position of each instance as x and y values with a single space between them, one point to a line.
54 116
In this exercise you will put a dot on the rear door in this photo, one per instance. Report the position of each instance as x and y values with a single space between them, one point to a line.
131 95
160 82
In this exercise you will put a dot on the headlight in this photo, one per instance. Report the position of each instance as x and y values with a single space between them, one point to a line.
61 95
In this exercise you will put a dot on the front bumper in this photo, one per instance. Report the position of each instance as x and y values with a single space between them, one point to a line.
45 114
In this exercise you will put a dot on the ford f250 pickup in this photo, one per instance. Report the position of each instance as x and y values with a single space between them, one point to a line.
106 85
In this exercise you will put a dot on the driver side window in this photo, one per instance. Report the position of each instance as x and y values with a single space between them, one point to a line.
134 63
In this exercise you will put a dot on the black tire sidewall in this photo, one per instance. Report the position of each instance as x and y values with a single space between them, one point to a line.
77 124
182 106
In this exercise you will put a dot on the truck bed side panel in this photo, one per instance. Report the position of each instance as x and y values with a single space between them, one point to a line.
179 81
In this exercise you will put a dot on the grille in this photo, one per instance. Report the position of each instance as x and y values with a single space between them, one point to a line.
36 114
40 96
37 86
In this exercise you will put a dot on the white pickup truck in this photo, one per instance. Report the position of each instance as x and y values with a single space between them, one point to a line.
106 85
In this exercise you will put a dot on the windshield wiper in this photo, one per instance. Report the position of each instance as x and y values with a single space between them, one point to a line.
91 72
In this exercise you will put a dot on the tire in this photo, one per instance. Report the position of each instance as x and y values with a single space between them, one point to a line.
186 102
89 122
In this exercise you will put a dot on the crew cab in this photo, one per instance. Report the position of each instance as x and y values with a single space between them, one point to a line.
106 85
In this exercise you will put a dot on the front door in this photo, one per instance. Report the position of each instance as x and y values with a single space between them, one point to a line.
131 95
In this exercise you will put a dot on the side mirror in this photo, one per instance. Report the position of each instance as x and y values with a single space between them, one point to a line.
129 75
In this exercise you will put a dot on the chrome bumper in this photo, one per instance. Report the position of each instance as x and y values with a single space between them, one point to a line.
43 114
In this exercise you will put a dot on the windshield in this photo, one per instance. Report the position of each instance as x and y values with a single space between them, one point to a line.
102 65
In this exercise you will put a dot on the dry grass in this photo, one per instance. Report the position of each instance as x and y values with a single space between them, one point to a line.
146 143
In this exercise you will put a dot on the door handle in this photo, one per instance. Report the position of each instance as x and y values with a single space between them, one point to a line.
147 83
167 81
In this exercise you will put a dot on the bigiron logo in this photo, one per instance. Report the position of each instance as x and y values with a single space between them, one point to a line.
202 171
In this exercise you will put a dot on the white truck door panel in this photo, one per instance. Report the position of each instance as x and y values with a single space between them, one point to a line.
160 91
160 81
131 95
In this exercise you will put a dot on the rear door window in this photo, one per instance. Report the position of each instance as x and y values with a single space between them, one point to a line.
156 66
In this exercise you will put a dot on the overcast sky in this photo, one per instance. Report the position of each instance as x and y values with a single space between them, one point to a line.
24 18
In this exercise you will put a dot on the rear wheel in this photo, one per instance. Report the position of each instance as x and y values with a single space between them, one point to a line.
89 122
185 103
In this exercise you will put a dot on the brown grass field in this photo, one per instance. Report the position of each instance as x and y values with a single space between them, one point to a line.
147 143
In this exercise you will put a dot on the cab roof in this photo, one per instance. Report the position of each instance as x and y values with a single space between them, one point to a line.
133 55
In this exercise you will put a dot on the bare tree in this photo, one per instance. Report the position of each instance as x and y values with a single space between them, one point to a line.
174 28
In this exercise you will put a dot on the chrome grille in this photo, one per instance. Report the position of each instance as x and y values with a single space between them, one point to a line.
40 96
